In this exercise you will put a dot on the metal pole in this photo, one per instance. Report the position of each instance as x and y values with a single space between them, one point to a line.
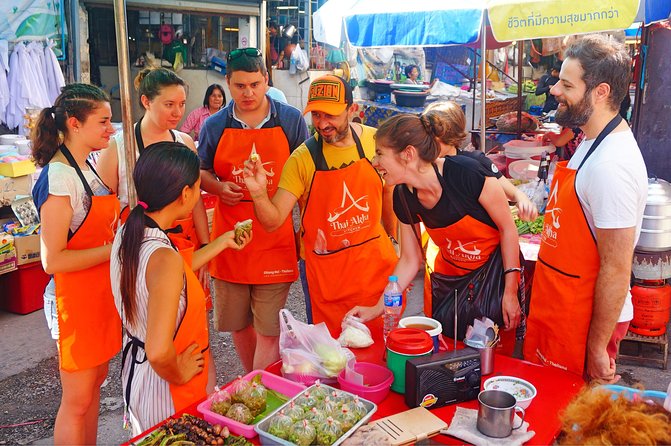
483 83
125 93
74 39
263 27
520 75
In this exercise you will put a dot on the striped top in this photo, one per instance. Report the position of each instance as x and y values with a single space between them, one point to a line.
150 399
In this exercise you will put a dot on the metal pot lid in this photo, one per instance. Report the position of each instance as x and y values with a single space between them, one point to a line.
659 191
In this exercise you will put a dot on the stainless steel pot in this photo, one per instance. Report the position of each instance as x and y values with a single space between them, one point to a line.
656 227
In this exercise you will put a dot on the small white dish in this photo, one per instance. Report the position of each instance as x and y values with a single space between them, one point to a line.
523 391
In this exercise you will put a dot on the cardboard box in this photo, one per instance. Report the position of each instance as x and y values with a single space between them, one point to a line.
10 188
17 168
8 262
27 249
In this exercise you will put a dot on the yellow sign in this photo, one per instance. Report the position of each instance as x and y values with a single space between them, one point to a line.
531 19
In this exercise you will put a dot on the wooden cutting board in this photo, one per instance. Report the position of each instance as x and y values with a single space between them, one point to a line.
410 426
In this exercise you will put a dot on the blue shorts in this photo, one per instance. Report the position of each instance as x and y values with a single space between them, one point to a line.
50 311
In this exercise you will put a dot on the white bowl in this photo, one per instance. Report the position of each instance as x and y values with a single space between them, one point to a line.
415 321
523 391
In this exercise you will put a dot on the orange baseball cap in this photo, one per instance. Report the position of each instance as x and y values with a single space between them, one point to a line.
329 94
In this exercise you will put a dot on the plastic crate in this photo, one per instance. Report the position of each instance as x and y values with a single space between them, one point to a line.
23 289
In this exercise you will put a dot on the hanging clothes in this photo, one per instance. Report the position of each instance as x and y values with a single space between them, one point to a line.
36 51
53 73
4 86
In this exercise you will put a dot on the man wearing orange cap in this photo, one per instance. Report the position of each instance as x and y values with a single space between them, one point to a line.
346 253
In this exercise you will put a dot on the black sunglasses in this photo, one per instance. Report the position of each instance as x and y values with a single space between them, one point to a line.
251 52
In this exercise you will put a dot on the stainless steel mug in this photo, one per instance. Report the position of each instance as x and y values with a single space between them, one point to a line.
496 412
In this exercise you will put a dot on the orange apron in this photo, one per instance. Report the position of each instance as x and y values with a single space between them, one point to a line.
271 257
348 256
562 294
89 324
182 228
192 328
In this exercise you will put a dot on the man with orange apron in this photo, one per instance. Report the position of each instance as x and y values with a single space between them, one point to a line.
251 286
89 325
592 217
347 253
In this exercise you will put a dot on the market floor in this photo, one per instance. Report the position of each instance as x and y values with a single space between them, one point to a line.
30 386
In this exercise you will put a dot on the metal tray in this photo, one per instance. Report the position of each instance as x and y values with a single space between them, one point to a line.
269 439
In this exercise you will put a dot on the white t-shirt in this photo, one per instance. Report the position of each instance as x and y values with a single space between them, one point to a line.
62 180
612 187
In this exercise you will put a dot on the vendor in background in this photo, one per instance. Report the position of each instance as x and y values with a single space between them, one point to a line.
566 141
214 100
450 117
581 305
459 202
346 215
79 215
166 356
162 94
545 84
412 75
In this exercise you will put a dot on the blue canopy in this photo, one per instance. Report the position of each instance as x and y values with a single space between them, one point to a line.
413 23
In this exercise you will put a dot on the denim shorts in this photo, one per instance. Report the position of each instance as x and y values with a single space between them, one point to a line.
50 311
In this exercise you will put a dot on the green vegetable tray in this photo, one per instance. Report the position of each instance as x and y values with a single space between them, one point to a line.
270 439
277 387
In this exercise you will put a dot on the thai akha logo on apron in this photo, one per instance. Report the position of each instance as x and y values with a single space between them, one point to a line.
551 224
341 220
467 252
237 170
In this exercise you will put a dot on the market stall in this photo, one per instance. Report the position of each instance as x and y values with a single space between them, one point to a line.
555 388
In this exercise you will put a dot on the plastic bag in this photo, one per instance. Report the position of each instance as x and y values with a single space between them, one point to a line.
354 333
309 352
302 60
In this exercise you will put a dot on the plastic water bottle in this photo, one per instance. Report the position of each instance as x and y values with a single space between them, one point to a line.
393 305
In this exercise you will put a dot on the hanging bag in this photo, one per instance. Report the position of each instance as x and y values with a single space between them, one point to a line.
479 293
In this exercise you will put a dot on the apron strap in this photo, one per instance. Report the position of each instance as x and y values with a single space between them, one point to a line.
605 132
315 147
71 160
140 141
132 346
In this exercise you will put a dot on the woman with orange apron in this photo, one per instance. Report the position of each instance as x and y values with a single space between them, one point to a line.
463 208
156 88
79 216
166 355
341 239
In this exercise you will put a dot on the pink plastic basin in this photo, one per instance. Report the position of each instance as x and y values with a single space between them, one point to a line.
377 380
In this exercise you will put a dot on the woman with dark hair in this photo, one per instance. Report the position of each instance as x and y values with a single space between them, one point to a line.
215 98
463 209
412 74
162 94
79 215
162 305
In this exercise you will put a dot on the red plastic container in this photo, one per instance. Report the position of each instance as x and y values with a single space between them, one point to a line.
270 381
22 290
376 381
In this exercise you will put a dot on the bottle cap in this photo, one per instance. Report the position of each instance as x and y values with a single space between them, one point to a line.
393 279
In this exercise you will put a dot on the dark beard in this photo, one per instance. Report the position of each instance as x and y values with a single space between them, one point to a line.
340 134
575 115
